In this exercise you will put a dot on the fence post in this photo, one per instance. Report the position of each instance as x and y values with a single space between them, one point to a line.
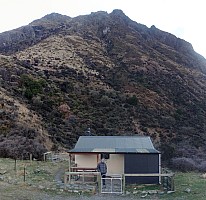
70 162
123 183
30 157
172 183
15 164
24 173
65 180
99 182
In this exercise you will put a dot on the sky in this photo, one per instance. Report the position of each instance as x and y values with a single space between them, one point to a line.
183 18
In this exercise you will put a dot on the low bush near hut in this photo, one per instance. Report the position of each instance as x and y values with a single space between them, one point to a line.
184 164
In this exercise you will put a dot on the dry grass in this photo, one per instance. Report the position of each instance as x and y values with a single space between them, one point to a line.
30 180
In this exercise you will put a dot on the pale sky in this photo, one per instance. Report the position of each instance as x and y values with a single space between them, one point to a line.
183 18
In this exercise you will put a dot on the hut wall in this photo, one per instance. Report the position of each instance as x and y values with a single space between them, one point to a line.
86 160
142 164
115 164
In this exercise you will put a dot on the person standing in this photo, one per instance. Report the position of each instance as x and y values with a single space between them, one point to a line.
102 168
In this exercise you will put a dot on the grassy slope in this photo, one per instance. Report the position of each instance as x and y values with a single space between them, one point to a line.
40 183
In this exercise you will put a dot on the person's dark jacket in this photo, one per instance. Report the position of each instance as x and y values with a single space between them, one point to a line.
102 168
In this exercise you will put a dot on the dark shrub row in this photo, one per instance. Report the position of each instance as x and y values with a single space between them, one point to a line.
188 164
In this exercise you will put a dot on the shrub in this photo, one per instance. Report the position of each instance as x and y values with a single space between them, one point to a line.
20 142
202 166
31 86
132 100
105 101
21 147
183 164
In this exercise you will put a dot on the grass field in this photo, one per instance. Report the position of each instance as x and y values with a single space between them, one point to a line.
36 180
188 186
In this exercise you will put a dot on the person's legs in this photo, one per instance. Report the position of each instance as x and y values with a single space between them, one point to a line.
103 179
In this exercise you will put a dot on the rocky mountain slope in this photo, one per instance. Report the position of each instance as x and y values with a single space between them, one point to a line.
60 76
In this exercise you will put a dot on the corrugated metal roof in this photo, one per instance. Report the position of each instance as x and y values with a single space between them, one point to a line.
115 144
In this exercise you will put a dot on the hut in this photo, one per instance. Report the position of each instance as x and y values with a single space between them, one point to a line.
128 155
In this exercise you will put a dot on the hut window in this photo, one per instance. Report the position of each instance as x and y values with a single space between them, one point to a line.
105 155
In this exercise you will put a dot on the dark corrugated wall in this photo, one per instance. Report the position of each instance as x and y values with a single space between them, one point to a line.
141 164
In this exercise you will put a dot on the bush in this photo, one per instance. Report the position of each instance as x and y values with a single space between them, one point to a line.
105 101
31 86
21 147
20 142
202 166
132 100
183 164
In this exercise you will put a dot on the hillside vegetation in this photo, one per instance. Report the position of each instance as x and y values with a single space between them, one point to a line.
60 76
